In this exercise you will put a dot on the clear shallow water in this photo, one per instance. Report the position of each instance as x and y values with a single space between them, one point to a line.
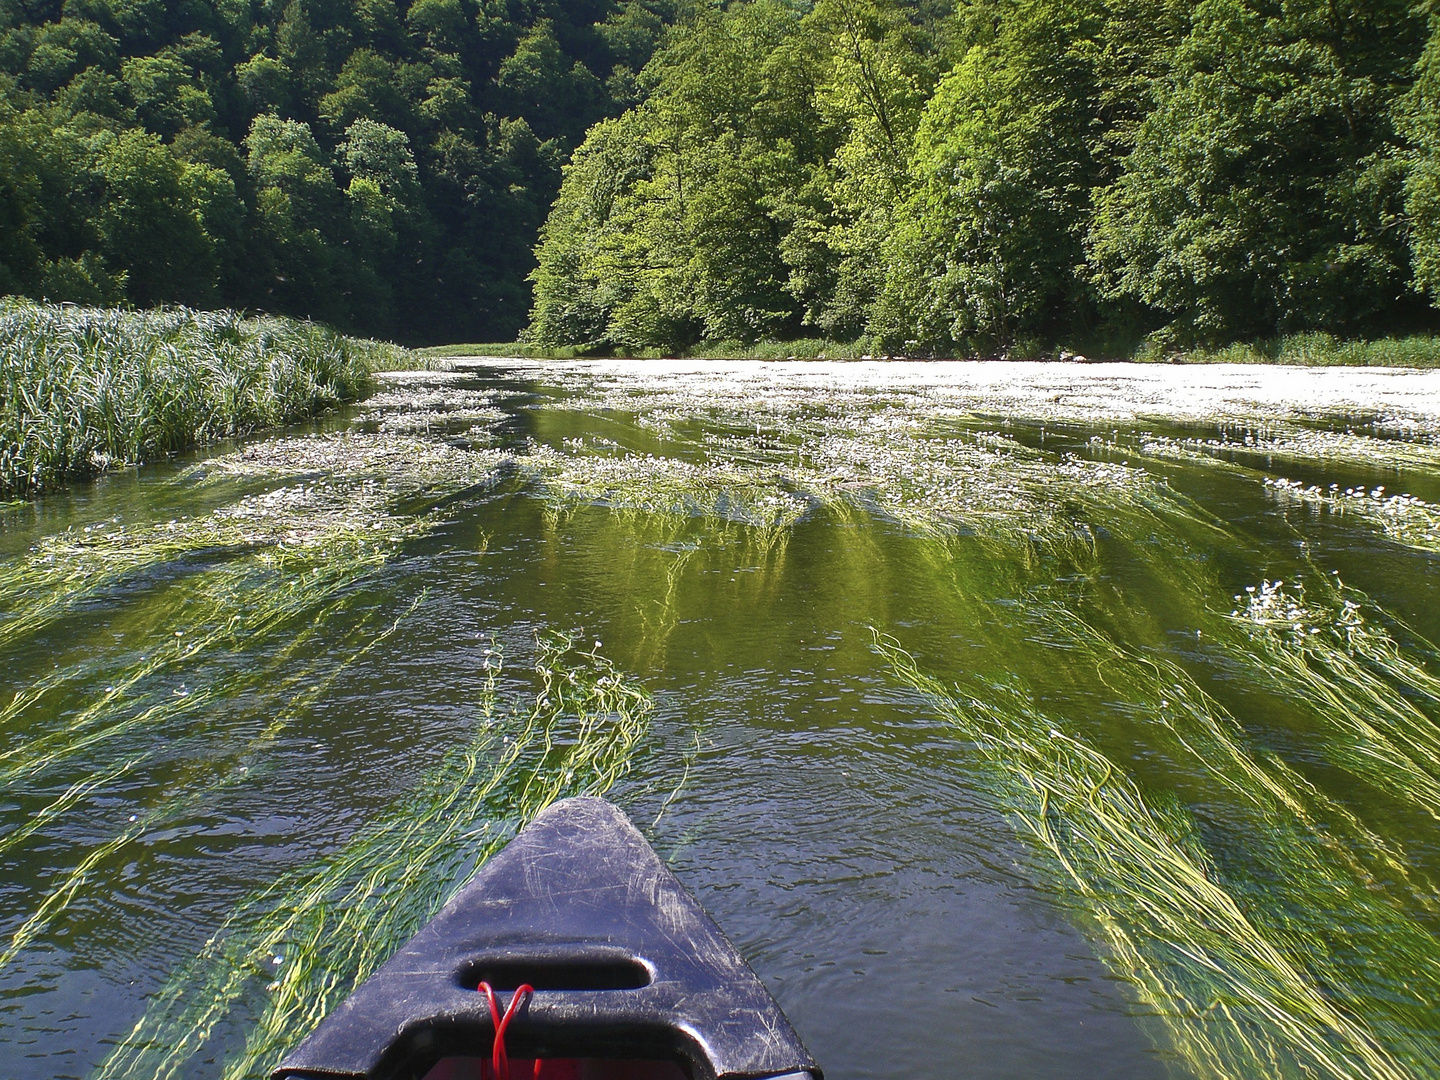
731 534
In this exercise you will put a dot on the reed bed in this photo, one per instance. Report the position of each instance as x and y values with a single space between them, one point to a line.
1246 976
292 951
85 389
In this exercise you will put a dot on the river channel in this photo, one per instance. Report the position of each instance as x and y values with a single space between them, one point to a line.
1013 720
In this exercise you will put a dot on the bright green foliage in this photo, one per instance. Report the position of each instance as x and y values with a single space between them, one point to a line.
1420 117
983 252
669 223
123 120
1007 175
885 58
1264 192
741 200
993 178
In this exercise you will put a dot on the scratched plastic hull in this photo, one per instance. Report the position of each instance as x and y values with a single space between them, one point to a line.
632 980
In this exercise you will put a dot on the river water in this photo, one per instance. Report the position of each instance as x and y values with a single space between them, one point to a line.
1013 720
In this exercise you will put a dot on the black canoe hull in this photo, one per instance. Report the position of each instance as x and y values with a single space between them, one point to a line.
625 966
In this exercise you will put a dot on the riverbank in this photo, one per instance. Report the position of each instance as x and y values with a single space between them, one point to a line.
1297 350
83 390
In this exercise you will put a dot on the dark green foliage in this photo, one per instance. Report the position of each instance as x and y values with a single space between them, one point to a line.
379 165
1264 192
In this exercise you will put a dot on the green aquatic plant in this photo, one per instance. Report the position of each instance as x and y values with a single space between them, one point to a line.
411 403
226 610
268 574
354 499
641 484
1247 979
1264 446
1403 518
929 467
292 951
82 389
1377 709
200 782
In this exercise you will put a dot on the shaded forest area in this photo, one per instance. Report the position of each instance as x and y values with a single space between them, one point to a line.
380 166
996 177
980 177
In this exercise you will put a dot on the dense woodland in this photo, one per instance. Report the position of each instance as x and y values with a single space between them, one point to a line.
379 166
926 176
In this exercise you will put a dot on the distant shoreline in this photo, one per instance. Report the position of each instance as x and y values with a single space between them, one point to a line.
1306 350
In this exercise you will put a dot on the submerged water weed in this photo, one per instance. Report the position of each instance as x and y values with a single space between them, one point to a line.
362 496
1073 393
200 782
82 389
667 487
400 466
425 407
291 952
276 531
912 459
994 489
227 610
1243 986
1403 518
1379 710
1301 445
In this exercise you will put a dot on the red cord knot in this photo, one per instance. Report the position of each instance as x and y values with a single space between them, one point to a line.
499 1059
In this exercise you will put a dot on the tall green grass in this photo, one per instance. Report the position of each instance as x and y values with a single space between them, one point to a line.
291 952
84 389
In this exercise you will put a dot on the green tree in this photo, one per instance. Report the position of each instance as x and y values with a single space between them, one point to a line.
670 222
983 253
149 224
166 94
1419 117
257 105
300 208
1264 193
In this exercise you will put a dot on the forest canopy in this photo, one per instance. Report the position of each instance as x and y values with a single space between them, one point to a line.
380 165
997 176
985 177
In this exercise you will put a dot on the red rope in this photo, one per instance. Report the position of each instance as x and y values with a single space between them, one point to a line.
499 1059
